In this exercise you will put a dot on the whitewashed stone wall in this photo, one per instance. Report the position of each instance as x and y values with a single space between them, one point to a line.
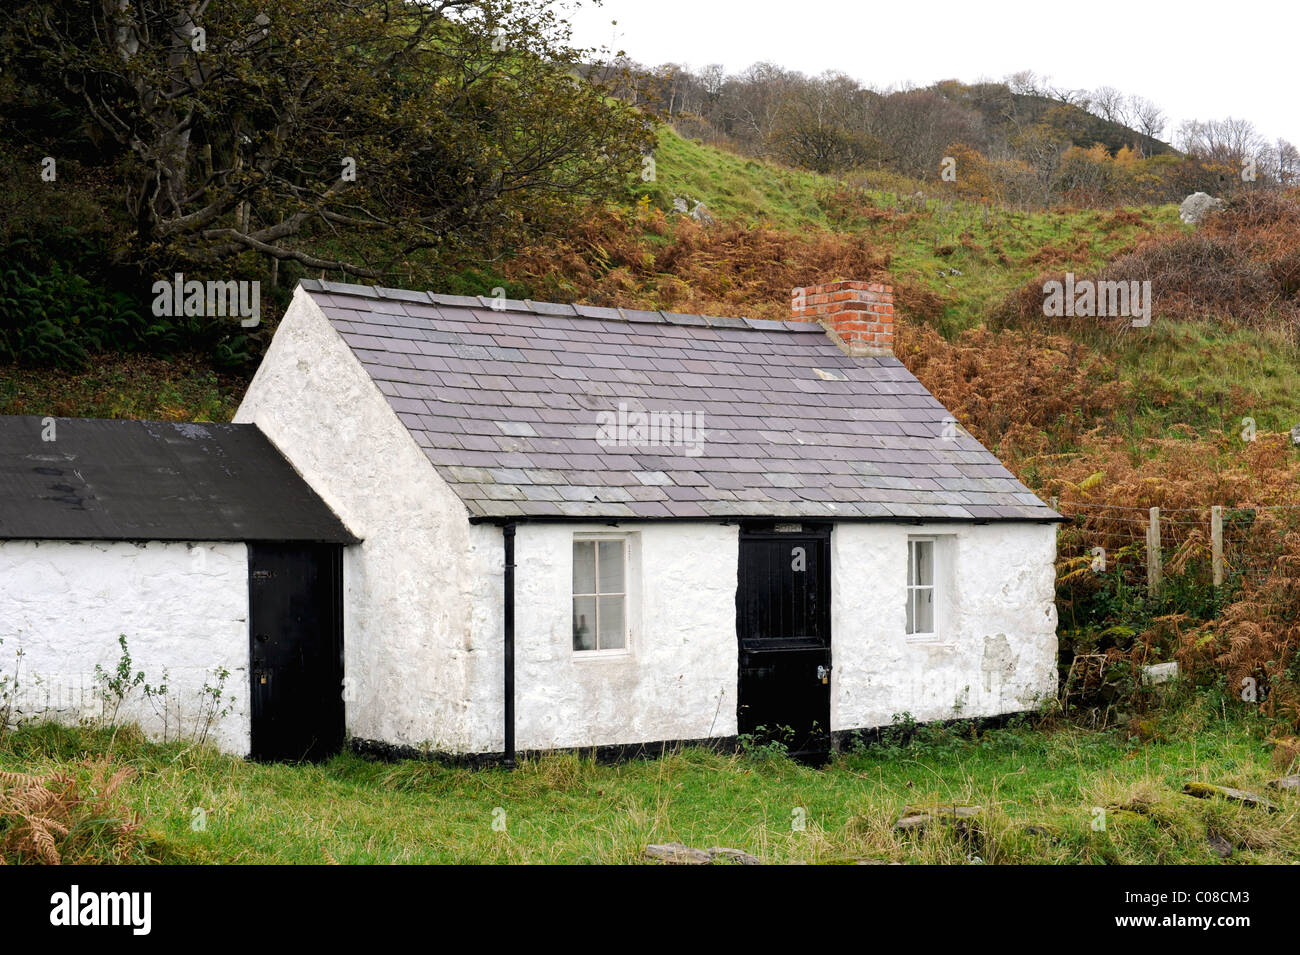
995 652
996 649
677 678
182 607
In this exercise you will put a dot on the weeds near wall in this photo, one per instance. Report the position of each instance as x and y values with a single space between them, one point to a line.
767 743
157 697
214 705
9 691
115 686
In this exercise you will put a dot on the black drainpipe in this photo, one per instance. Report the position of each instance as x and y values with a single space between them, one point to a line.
508 532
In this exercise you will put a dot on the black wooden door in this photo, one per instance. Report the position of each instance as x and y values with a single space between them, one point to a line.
783 623
296 650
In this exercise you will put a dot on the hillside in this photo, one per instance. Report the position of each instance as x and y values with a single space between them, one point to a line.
956 263
999 105
642 254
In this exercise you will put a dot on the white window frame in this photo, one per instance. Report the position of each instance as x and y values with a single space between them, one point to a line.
931 636
626 594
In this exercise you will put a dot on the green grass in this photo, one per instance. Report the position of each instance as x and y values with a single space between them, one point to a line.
1040 789
998 250
1206 377
734 187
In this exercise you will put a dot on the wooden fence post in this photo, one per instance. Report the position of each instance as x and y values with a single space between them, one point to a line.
1216 542
1154 570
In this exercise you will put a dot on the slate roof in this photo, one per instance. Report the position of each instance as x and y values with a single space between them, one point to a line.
508 404
153 481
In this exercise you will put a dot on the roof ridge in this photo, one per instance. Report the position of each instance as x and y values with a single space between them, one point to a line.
564 310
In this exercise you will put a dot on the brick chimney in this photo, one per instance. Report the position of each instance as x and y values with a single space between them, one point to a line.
858 316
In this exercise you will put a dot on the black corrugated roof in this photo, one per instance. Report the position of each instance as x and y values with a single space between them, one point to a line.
507 399
154 480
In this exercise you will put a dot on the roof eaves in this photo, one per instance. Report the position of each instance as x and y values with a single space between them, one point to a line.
724 512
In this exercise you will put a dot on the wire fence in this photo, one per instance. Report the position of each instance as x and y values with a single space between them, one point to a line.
1235 543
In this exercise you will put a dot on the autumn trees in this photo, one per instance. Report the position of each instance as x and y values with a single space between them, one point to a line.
1023 140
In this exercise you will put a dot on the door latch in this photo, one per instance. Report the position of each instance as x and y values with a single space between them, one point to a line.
824 674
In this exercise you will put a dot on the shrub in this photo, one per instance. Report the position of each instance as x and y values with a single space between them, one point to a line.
1201 276
1242 266
1011 391
75 815
719 270
1255 646
57 317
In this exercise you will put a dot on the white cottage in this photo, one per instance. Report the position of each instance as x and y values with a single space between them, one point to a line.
598 527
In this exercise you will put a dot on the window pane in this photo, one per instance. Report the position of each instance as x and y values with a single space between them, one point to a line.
911 599
584 568
613 634
923 571
924 610
611 567
584 623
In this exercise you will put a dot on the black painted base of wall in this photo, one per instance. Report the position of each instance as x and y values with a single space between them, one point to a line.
845 740
619 753
841 741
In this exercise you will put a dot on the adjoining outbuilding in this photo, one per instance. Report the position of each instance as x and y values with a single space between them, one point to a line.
588 527
200 546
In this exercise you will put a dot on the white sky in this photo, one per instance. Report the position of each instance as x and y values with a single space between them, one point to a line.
1196 59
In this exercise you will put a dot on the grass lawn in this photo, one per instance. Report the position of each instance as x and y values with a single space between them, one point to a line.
1051 793
1207 378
